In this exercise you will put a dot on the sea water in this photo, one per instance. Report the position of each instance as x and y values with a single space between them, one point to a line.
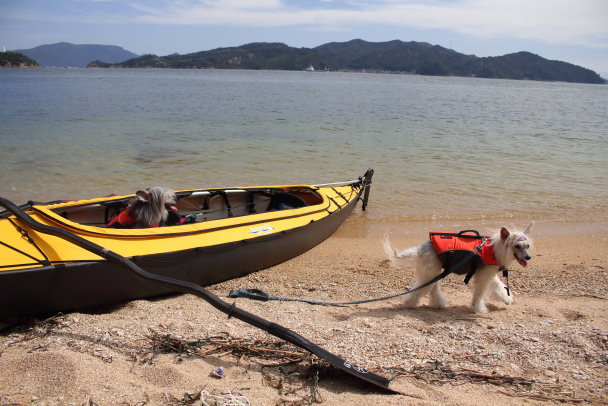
440 146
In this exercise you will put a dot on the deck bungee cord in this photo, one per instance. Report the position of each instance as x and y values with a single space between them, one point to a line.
187 287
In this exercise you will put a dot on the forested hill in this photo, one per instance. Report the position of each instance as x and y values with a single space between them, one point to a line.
250 56
16 60
358 55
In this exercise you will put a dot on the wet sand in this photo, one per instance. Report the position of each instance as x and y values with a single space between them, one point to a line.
550 346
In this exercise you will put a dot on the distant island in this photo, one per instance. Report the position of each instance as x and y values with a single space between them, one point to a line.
419 58
16 60
64 54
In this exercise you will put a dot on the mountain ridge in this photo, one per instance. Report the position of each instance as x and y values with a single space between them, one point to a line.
394 56
65 54
359 55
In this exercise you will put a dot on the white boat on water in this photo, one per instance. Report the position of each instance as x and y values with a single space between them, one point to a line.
310 68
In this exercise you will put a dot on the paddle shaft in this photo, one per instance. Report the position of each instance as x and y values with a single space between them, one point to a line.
186 287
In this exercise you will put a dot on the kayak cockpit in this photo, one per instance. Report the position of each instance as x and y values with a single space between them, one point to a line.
199 205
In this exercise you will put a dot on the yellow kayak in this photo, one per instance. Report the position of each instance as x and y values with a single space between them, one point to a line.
231 232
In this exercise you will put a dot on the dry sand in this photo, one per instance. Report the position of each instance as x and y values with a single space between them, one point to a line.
548 347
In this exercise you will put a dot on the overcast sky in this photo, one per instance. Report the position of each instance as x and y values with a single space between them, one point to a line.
574 31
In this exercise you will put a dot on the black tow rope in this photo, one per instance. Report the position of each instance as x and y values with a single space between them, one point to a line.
256 294
187 287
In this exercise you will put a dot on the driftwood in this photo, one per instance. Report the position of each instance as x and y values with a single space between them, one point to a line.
297 387
223 344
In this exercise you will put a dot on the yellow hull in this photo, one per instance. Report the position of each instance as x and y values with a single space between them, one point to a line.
237 231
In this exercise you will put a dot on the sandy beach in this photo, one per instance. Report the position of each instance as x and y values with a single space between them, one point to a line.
549 347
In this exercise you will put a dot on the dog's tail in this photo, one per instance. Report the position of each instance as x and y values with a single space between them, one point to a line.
394 255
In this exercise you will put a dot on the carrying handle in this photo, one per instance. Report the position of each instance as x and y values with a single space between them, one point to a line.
469 231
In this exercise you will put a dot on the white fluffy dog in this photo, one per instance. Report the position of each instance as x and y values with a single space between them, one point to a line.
507 247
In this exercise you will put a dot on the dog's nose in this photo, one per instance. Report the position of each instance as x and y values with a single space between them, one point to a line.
528 257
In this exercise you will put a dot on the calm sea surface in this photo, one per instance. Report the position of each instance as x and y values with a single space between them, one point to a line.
441 147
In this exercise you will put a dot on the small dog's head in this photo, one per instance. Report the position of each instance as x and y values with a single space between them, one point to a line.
150 206
515 245
159 197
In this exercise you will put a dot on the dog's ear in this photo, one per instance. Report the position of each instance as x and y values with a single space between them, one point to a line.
529 228
504 233
143 195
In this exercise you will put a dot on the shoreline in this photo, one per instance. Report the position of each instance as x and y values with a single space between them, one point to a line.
362 225
382 210
549 346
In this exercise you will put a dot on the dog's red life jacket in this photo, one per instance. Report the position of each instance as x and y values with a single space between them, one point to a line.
123 219
452 247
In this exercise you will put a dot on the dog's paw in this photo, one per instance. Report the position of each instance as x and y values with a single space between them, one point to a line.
480 309
438 303
410 302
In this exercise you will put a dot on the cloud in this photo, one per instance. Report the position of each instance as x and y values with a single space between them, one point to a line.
574 22
553 22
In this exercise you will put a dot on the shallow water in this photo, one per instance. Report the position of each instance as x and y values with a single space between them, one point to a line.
441 147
